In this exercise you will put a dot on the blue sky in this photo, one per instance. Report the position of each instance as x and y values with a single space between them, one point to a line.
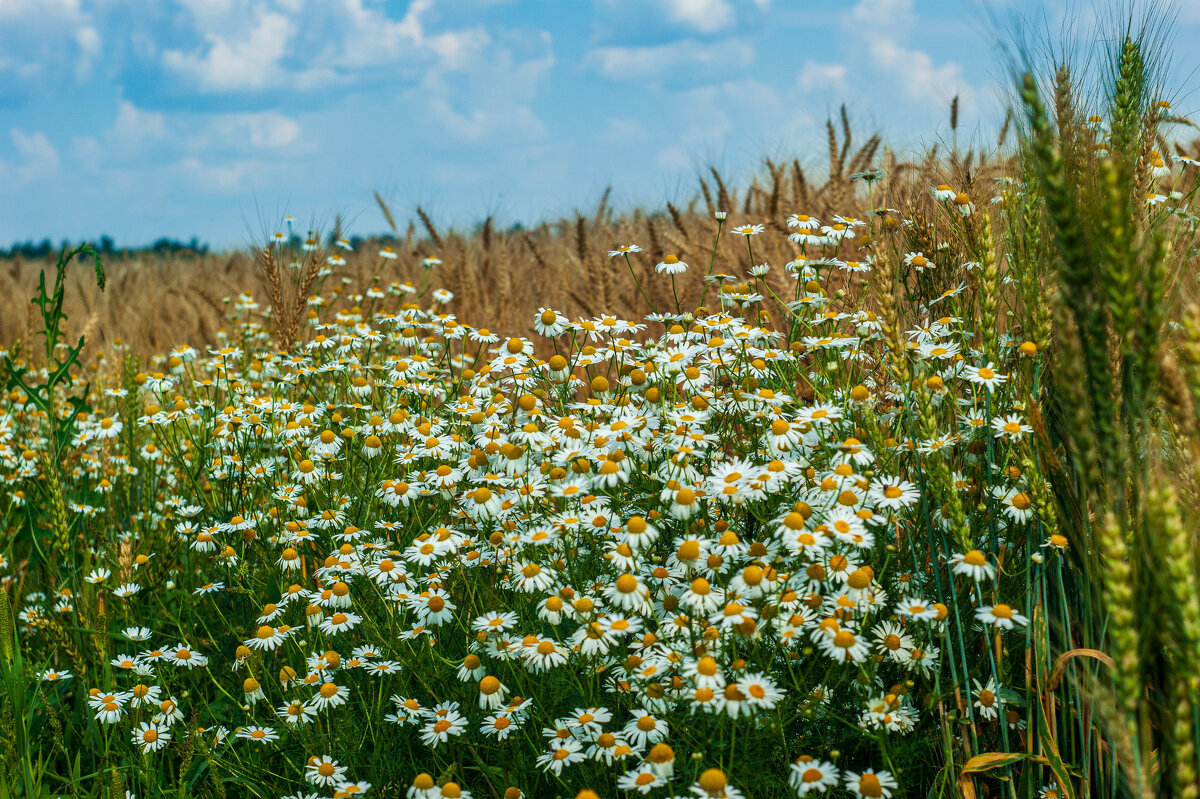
214 118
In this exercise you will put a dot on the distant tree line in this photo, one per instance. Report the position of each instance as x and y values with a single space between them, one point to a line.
45 248
166 246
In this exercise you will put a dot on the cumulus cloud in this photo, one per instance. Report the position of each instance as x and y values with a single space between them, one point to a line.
882 26
220 178
745 116
43 42
705 16
491 97
133 126
640 63
816 76
311 44
235 62
36 158
87 40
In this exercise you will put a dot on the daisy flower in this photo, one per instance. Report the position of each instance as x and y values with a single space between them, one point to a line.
185 656
1002 616
870 784
150 737
262 735
985 376
760 690
808 775
895 494
713 784
560 755
943 193
550 323
440 729
267 637
295 712
747 230
641 779
644 729
918 261
844 645
110 710
670 265
987 700
330 694
974 564
324 771
623 250
339 623
1010 427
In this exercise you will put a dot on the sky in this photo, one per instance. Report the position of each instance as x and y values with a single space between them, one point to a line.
142 119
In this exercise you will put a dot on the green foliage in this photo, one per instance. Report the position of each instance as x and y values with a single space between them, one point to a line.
42 395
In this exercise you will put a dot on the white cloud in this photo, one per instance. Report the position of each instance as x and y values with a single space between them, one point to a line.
371 37
882 27
821 76
894 17
918 76
139 136
494 98
229 178
637 63
237 63
29 9
622 130
312 44
266 130
37 159
44 41
87 39
705 16
133 127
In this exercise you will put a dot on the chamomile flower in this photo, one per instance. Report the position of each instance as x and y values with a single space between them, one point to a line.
985 376
974 564
550 323
260 735
324 771
1010 427
1004 617
642 780
184 656
561 754
870 784
809 775
713 784
624 249
747 230
441 728
150 737
329 695
670 265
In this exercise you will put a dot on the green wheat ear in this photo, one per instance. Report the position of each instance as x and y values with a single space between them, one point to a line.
1128 102
7 632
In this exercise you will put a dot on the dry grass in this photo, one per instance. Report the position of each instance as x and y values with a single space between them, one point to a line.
502 276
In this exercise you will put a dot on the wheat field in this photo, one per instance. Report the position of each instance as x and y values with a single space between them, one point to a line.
155 302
